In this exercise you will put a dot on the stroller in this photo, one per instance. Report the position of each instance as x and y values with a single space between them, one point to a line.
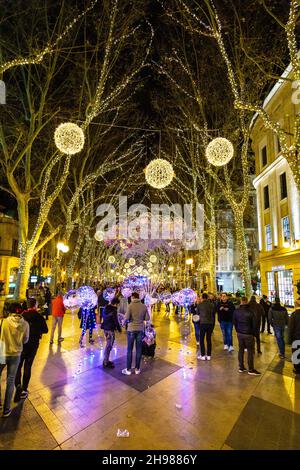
149 341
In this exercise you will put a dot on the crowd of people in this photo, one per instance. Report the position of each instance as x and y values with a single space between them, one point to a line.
22 327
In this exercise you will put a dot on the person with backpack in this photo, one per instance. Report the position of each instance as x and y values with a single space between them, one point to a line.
109 325
278 318
14 332
38 327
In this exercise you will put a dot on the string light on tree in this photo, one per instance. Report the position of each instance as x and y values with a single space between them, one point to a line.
219 151
131 262
153 258
111 259
69 138
159 173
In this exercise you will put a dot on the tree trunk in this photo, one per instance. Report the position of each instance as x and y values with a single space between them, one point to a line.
212 258
26 256
243 251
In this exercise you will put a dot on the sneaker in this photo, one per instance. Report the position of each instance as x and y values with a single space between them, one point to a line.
109 365
281 356
126 372
6 413
18 394
231 348
208 358
225 347
60 340
202 358
197 343
24 395
242 369
254 372
137 371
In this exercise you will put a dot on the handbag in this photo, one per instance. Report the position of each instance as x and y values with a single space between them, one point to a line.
196 318
2 347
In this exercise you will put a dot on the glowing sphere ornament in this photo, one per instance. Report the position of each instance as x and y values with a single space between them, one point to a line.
187 297
159 173
72 301
219 151
111 259
166 297
153 258
87 296
149 300
69 138
126 292
131 262
109 294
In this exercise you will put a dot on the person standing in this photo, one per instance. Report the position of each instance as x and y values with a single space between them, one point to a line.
110 324
87 317
206 312
294 335
266 304
136 315
225 309
244 321
48 300
278 318
14 332
258 312
58 312
37 326
196 320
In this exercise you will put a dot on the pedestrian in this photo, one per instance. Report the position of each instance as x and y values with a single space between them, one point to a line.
110 324
37 326
48 300
196 320
14 332
136 315
278 318
258 312
266 304
294 337
245 325
58 312
206 312
87 317
225 309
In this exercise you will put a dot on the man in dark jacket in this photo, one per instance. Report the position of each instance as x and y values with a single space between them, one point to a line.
245 324
110 324
37 327
258 312
266 304
206 312
278 318
225 309
294 337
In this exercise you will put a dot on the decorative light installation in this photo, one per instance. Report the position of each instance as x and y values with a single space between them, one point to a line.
99 236
111 259
149 265
187 297
69 138
72 301
166 297
219 151
109 294
126 292
131 262
149 300
87 296
159 173
153 258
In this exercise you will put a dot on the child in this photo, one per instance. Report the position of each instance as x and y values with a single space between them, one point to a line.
109 324
88 321
149 341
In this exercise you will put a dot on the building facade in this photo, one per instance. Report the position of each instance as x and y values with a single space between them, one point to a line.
9 253
278 202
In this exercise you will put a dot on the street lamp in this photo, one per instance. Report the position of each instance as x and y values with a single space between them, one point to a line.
61 246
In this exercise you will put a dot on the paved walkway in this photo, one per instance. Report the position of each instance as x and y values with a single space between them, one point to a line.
176 403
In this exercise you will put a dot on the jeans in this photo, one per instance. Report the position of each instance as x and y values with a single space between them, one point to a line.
197 331
27 358
263 324
56 321
257 337
110 339
279 333
137 338
12 363
205 330
246 342
226 327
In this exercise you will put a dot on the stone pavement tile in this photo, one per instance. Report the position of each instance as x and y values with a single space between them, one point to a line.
61 435
276 388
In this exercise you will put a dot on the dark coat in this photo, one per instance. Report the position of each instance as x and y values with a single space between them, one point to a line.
258 311
110 320
225 311
206 312
294 326
278 316
244 320
37 326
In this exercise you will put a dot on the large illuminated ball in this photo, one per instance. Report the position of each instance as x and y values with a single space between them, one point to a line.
219 151
131 262
126 292
166 297
187 297
87 296
159 173
109 294
72 301
149 300
69 138
176 298
111 259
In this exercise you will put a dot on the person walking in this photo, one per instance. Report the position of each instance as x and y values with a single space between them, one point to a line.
294 336
266 304
244 321
225 309
14 332
37 327
278 318
87 317
110 324
136 315
58 312
258 312
196 320
206 312
48 300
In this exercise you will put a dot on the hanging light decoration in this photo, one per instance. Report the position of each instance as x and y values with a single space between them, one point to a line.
153 259
87 296
69 138
159 173
149 265
111 259
131 261
219 151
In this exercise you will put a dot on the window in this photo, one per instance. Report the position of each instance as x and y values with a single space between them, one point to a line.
15 248
285 287
286 231
266 197
268 232
271 286
283 187
278 144
264 156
